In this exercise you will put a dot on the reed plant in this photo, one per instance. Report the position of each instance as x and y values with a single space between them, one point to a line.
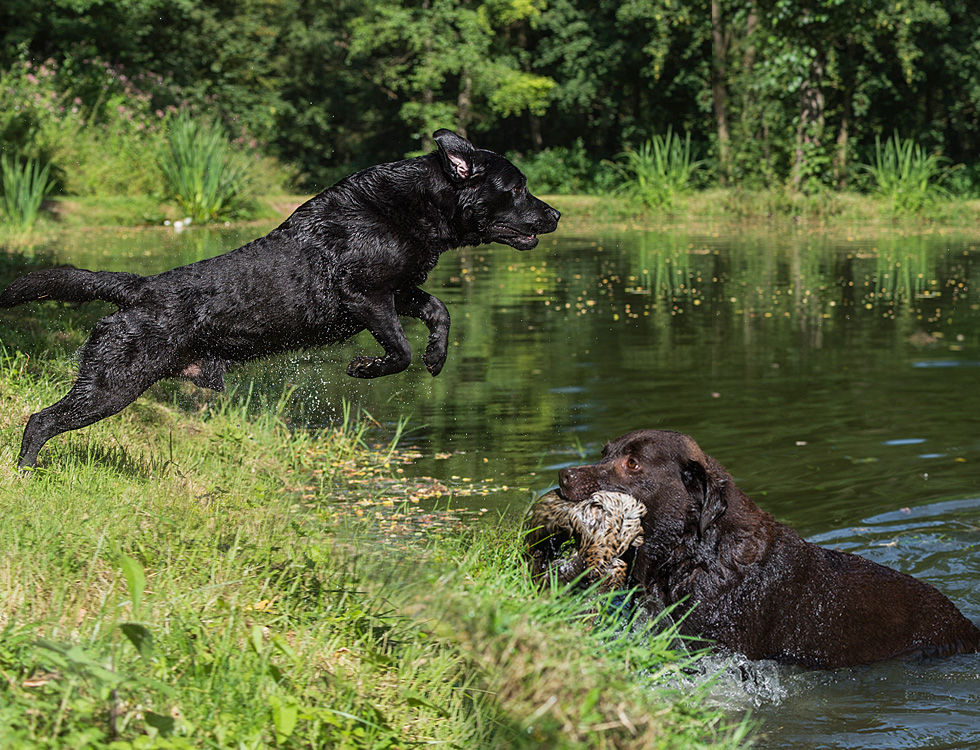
208 181
24 185
906 175
659 171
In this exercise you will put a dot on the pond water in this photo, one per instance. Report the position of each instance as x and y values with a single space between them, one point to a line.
834 374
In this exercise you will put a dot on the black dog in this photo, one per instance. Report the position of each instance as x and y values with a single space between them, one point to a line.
751 584
350 259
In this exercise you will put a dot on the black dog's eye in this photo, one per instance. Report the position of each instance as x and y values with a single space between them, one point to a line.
632 464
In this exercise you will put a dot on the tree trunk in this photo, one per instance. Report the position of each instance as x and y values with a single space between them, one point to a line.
537 140
840 152
751 23
719 95
810 127
533 120
463 102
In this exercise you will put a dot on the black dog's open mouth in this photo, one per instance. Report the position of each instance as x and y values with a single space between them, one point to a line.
514 238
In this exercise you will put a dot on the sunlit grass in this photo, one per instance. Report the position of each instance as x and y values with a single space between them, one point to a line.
659 171
204 176
187 577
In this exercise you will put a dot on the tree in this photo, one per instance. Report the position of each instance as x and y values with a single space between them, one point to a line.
445 62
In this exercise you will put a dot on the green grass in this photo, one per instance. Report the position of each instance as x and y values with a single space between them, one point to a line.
659 171
906 175
732 208
23 187
203 174
188 577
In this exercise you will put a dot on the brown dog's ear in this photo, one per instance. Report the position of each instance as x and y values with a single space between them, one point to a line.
709 499
456 154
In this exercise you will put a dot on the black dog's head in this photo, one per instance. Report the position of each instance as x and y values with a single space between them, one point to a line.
683 489
493 201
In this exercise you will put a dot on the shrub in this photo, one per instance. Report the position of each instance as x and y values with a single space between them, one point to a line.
558 170
206 180
905 174
93 125
659 171
24 187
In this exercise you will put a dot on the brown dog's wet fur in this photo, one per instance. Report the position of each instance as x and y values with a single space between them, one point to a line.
750 584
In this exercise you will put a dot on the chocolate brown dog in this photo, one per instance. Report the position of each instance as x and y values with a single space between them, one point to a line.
752 585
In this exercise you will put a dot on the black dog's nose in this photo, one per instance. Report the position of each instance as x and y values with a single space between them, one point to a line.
555 214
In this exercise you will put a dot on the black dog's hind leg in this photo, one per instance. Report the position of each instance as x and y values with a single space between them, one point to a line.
206 373
417 303
116 365
84 404
378 315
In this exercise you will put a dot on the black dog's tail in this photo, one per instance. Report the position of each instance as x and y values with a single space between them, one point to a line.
73 285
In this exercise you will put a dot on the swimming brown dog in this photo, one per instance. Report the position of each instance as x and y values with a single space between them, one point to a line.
750 584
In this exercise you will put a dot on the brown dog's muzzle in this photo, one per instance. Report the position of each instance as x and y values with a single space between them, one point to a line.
577 483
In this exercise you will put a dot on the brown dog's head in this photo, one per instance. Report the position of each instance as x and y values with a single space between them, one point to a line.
683 490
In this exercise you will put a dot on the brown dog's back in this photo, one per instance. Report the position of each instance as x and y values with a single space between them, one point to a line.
823 608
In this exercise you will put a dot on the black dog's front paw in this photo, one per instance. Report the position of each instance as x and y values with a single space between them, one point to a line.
436 349
434 358
376 367
364 367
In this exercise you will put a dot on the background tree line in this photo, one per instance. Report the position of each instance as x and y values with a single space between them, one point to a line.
773 92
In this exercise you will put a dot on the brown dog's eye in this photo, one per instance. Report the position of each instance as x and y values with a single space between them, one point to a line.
632 464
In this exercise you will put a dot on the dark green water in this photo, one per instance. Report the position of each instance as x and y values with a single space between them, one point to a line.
836 377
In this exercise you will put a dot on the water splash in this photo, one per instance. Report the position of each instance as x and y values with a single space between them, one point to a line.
738 683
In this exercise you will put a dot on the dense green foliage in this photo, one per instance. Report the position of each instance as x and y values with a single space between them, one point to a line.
772 91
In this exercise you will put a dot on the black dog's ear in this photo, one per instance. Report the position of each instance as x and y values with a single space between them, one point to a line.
708 495
456 154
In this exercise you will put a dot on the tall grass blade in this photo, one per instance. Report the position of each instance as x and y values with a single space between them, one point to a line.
135 581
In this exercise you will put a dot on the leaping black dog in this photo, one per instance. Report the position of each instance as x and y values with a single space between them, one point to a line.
351 258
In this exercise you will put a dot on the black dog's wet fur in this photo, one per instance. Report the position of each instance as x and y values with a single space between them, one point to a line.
350 259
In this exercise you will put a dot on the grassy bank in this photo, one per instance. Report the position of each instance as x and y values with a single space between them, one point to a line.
580 212
193 574
733 207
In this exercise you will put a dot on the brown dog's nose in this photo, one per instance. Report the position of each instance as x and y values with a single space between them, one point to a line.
577 482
